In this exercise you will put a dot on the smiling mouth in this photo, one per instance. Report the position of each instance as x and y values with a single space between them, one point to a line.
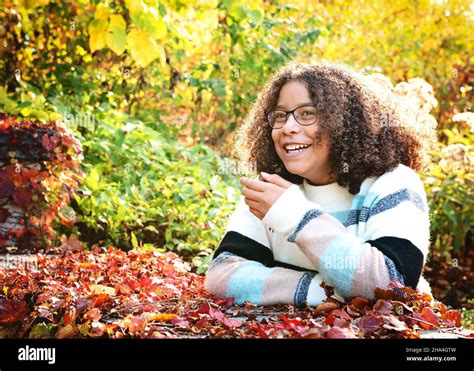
294 148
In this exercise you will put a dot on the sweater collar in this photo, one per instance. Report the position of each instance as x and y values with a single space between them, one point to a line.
331 197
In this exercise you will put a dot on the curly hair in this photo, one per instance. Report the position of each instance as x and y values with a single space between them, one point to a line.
367 137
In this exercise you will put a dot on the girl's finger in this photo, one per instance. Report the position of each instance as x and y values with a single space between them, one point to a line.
252 204
276 179
254 184
251 194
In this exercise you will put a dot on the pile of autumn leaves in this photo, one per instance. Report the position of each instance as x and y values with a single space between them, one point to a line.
114 294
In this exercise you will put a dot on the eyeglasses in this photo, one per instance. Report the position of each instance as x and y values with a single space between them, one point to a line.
304 115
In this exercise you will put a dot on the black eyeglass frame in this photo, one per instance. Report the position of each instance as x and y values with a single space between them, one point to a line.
292 112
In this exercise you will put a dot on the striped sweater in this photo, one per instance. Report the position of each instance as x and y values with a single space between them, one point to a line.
355 243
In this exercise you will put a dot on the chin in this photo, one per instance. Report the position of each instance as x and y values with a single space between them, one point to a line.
295 170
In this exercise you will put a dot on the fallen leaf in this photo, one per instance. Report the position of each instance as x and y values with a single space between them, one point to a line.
325 307
12 311
101 289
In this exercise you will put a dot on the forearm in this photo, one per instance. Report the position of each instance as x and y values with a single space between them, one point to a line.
353 267
246 280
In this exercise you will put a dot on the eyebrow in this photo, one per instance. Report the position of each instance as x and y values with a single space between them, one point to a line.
299 105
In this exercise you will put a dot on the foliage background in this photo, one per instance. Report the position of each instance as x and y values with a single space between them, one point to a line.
154 91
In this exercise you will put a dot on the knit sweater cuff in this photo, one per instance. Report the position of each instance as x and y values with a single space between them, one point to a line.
316 294
288 210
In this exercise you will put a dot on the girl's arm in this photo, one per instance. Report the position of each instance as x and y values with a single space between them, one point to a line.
248 280
243 267
394 244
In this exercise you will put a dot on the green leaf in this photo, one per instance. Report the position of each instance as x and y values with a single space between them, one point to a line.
8 104
255 15
134 240
147 19
41 331
116 38
92 181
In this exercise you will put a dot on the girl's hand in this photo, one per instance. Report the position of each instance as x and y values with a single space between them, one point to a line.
261 195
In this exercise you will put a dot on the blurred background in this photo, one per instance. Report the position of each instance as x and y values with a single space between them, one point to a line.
154 91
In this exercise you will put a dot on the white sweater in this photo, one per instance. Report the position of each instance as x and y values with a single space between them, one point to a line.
312 233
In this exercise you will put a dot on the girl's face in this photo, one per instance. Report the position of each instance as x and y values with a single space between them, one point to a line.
312 162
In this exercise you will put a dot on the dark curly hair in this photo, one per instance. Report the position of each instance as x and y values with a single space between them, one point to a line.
367 137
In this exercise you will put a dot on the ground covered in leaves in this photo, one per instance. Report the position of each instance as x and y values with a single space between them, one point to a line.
116 294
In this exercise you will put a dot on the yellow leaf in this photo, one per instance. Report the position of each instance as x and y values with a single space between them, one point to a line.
143 48
97 33
101 289
162 317
65 332
116 20
147 19
157 28
92 180
102 12
133 5
30 4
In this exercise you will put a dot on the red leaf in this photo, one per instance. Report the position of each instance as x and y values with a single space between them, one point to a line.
217 314
12 312
22 197
339 322
180 322
93 314
385 294
383 306
430 316
232 322
329 319
393 323
369 324
360 303
454 317
204 308
67 331
202 323
289 322
226 303
326 307
341 314
70 316
49 143
72 244
134 324
261 332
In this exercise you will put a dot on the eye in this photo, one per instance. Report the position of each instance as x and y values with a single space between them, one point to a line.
307 112
279 115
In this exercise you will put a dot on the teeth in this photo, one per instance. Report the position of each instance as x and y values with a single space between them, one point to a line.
296 147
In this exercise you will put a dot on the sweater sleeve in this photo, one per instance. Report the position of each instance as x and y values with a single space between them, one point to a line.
243 267
396 235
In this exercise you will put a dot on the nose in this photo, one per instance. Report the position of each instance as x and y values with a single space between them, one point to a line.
291 124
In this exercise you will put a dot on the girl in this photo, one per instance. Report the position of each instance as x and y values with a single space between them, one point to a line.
338 198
